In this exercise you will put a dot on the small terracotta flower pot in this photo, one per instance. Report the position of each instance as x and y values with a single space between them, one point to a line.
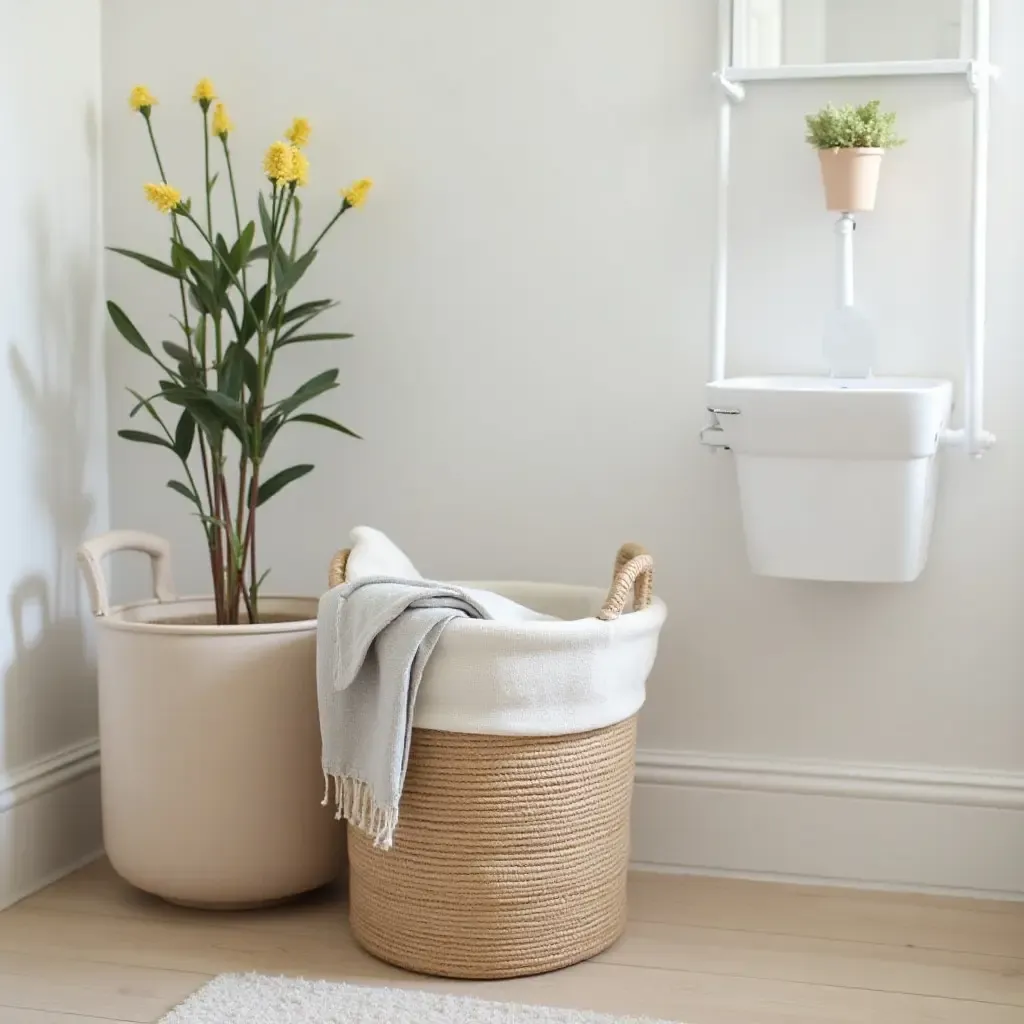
850 177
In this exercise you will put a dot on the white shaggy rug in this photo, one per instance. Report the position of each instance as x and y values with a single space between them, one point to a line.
259 999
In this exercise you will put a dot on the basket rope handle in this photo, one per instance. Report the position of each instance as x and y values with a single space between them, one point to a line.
634 570
339 563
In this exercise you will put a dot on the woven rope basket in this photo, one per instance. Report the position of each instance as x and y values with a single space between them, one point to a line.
511 852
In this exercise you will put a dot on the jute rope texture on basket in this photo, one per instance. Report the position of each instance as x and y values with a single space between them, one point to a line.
511 852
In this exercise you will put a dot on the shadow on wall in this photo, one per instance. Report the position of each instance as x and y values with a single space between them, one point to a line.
50 686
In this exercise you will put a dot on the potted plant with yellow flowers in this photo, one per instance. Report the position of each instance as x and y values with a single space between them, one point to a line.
209 733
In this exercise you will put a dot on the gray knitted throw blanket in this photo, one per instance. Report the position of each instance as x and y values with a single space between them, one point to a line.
374 638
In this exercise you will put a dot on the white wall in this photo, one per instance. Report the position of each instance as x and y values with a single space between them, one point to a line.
52 434
530 290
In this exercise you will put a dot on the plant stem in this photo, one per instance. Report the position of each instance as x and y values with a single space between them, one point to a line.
218 580
234 198
174 227
225 546
209 227
232 578
250 535
281 298
209 529
330 224
295 230
210 541
250 609
242 463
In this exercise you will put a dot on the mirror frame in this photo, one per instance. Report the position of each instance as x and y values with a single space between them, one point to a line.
867 69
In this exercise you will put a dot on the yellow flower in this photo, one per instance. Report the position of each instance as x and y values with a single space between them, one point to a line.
356 193
298 134
279 163
300 164
204 91
222 124
141 99
164 197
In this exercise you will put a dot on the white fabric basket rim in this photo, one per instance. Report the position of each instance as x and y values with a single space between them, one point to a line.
540 678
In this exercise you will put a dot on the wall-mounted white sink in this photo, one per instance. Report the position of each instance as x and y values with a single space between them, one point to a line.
886 417
836 476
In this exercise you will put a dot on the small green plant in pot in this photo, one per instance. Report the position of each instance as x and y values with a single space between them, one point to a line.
851 142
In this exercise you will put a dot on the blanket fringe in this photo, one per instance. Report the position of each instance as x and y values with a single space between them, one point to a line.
354 801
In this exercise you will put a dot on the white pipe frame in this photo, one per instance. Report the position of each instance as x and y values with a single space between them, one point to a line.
979 72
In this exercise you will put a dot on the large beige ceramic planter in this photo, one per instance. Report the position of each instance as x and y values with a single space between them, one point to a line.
209 744
850 177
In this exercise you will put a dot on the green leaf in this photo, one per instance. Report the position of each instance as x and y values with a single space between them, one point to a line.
184 435
231 407
307 310
209 423
146 438
250 371
293 339
265 220
183 256
323 421
212 411
178 259
233 413
300 321
178 352
196 302
203 296
223 262
270 487
259 307
187 367
232 371
327 377
147 261
293 271
186 492
282 269
143 403
271 425
213 180
202 410
232 315
240 250
317 385
259 252
127 328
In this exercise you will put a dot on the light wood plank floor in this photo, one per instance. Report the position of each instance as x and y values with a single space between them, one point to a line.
703 951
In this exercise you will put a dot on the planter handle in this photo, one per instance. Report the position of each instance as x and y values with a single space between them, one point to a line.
92 553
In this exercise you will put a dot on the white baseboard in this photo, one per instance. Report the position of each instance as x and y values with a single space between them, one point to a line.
49 820
870 826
